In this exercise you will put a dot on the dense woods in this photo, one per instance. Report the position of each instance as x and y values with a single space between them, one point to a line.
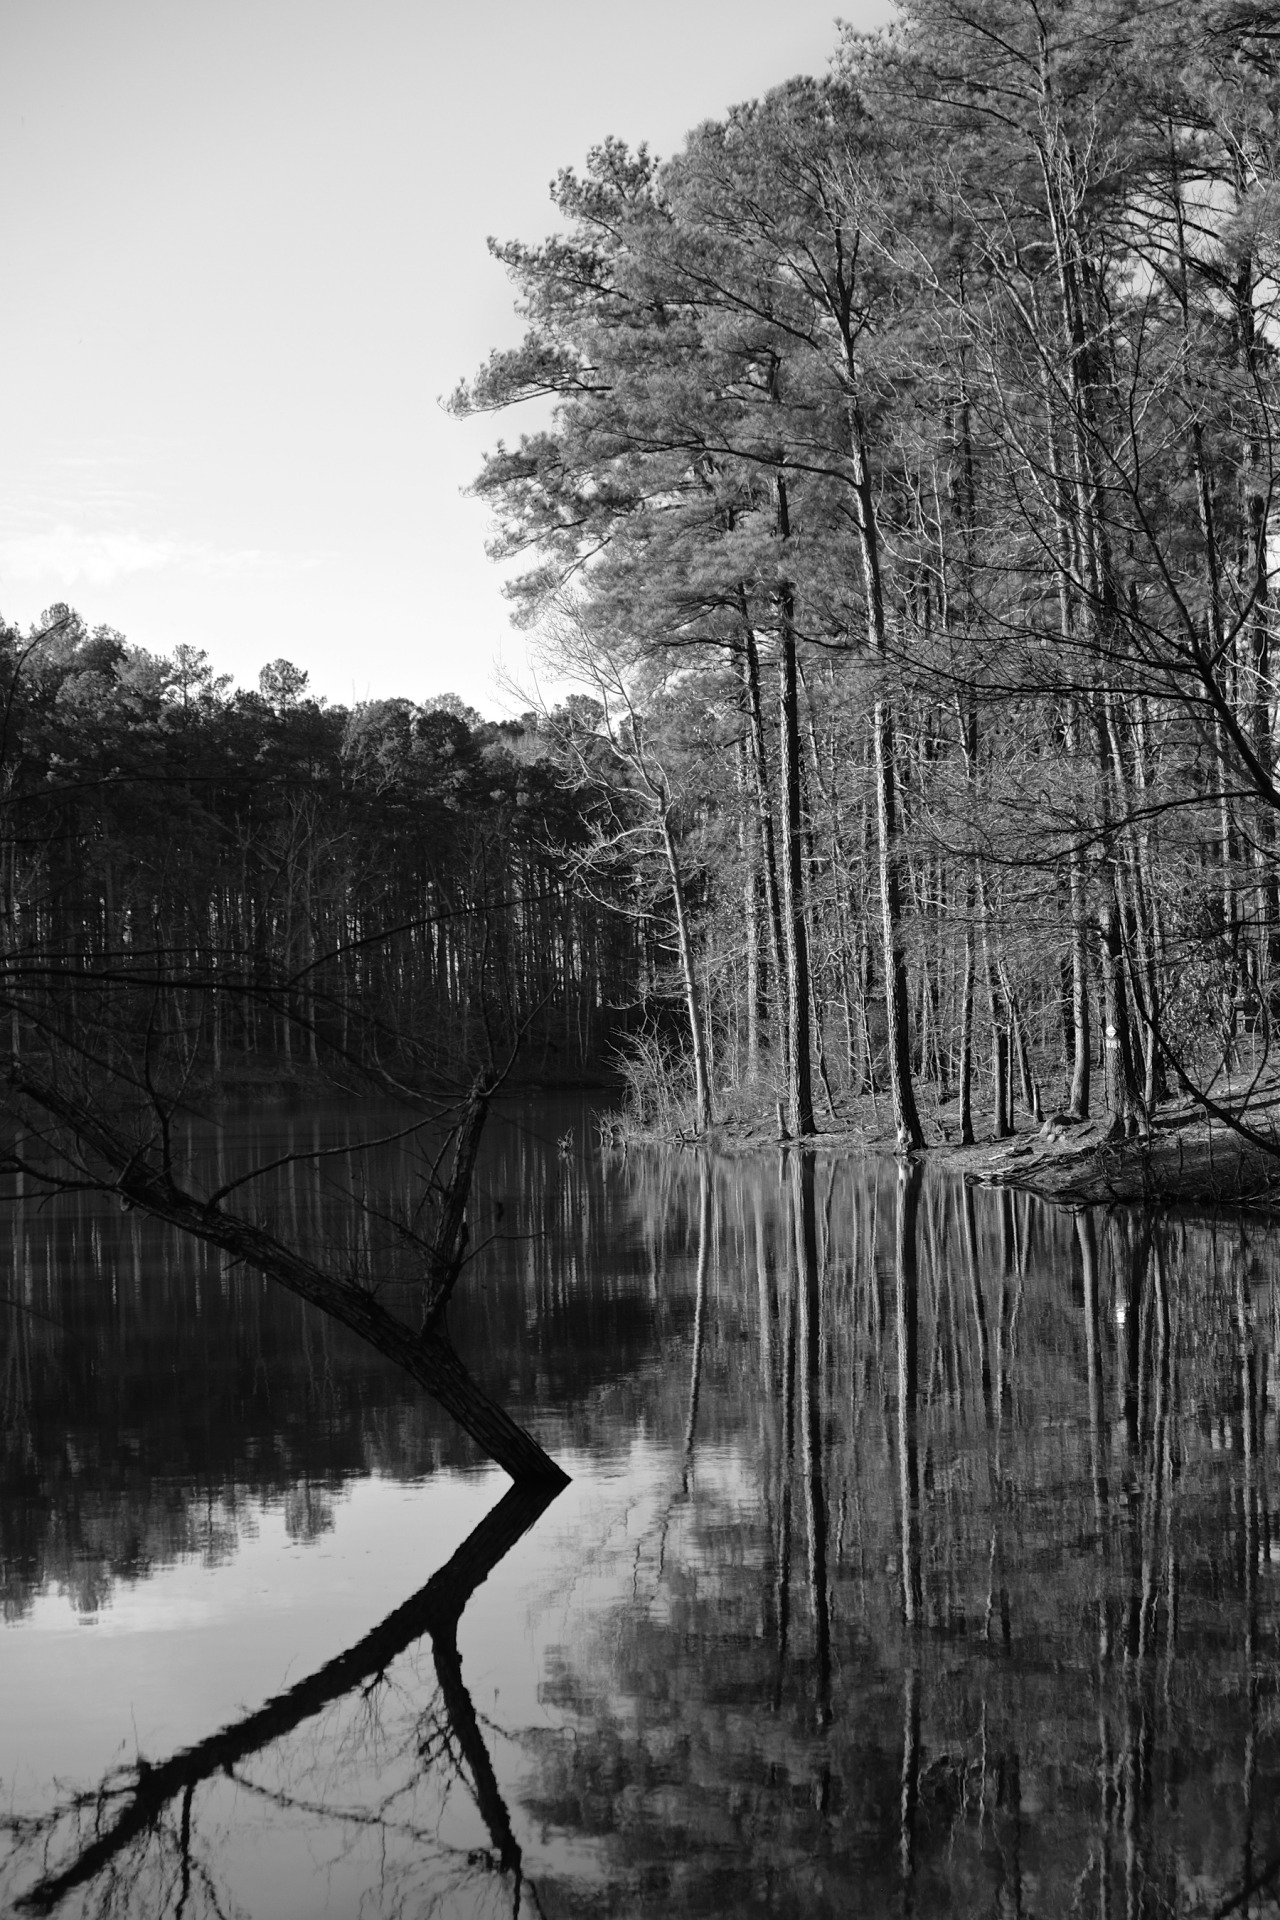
896 524
201 884
206 890
900 508
904 506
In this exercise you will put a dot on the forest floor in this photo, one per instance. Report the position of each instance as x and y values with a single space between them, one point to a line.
1187 1158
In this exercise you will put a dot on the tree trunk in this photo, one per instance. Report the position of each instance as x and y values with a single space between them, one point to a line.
1078 1099
689 974
964 1066
1000 1116
799 1071
1121 1082
751 985
1080 1055
764 821
910 1134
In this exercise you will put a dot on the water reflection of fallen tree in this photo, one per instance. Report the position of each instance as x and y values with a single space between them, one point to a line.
435 1610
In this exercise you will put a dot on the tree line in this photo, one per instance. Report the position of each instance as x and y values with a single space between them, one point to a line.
201 883
903 503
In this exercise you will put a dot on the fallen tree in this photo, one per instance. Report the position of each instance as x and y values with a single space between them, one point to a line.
74 1144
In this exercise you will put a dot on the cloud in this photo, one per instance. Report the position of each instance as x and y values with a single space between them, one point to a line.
66 553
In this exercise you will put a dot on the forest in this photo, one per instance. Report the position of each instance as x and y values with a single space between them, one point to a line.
899 507
231 882
214 896
888 497
901 495
896 520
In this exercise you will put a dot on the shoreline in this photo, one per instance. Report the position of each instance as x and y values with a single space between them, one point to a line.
1187 1158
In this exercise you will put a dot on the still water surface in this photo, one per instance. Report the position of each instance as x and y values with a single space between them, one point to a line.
919 1554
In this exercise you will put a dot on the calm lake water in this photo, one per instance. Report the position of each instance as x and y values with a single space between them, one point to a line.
919 1555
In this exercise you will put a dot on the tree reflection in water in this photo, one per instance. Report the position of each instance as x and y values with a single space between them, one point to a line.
138 1835
920 1558
1005 1686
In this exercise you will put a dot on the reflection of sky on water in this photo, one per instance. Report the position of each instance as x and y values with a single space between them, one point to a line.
173 1656
180 1653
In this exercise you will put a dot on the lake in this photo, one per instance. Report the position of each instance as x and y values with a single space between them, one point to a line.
919 1554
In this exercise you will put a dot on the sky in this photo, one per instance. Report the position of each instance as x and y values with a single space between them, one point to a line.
244 262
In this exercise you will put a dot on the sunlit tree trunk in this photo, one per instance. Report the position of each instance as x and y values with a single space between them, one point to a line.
689 975
759 762
799 1068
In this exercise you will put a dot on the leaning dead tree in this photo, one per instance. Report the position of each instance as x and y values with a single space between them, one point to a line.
67 1140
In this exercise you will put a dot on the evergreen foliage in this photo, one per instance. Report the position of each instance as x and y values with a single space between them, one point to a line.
942 393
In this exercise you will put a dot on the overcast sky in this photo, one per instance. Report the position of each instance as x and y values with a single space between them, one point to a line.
244 256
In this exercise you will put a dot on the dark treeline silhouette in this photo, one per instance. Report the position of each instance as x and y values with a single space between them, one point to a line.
198 886
256 881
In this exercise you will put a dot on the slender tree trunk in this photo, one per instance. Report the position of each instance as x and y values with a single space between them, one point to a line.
799 1070
750 922
1253 671
689 975
764 819
1230 922
1216 662
865 986
1081 1052
1155 1084
1000 1116
863 946
965 1062
1082 1057
1122 1092
1082 547
910 1134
